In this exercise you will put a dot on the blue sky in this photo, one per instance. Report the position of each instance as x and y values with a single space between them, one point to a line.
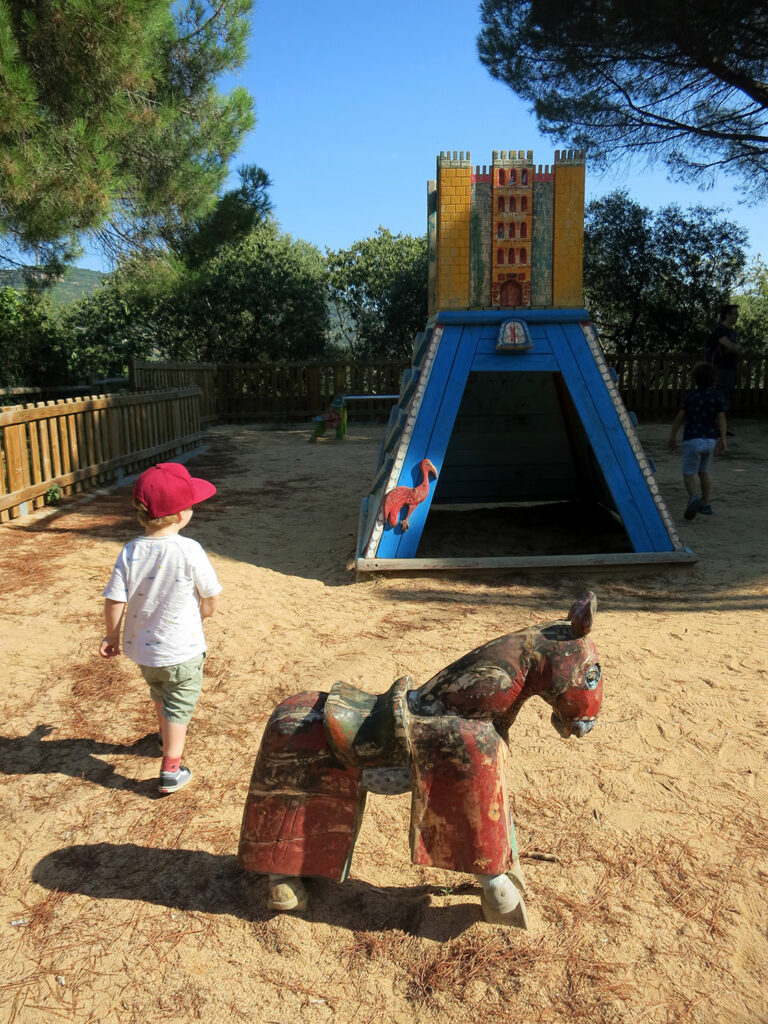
355 100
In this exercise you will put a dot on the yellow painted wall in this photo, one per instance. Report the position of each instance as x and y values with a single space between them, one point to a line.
453 218
568 237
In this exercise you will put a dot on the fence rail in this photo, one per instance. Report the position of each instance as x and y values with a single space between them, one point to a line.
263 392
104 385
77 444
653 386
148 376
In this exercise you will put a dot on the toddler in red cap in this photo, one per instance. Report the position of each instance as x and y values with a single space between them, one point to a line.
161 588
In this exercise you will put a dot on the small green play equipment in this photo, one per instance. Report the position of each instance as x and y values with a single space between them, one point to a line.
336 416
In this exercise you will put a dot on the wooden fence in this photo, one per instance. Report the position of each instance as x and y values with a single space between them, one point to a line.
47 393
274 392
77 444
147 376
654 386
651 386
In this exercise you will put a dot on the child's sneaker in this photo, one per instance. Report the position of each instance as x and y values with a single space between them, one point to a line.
693 506
705 510
171 781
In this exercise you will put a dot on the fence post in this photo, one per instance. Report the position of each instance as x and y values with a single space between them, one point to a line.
314 401
132 385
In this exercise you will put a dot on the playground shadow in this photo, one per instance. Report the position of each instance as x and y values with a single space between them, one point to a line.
639 589
293 508
77 758
193 880
287 514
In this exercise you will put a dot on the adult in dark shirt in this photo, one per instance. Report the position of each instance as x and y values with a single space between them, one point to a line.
703 414
723 351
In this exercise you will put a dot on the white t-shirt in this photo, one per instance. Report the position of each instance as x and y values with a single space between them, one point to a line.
161 580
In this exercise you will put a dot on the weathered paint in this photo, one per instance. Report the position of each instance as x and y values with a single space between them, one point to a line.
453 217
307 792
480 256
541 243
508 235
304 806
568 237
512 176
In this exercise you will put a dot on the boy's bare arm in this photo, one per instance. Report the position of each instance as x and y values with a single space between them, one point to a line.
678 422
113 618
722 444
208 606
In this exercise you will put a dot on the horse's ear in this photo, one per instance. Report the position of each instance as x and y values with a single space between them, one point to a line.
582 613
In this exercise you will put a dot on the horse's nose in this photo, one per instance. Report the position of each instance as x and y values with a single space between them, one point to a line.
582 726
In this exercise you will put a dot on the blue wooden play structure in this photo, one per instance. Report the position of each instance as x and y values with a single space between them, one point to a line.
513 409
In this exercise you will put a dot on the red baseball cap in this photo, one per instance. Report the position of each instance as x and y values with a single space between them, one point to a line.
168 488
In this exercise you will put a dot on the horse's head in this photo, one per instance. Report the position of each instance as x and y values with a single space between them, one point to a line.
575 708
565 670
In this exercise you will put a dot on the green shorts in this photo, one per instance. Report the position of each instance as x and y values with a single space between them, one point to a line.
177 686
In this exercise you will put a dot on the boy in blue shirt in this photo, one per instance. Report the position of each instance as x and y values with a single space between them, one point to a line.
703 414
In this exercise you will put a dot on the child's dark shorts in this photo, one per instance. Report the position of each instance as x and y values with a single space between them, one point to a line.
177 686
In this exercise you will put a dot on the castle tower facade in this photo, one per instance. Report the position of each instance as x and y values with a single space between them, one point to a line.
506 236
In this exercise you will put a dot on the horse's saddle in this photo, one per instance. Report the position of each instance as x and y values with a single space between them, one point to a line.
369 732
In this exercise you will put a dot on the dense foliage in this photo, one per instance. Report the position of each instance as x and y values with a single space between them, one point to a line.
655 282
378 289
752 300
685 81
262 298
33 345
110 120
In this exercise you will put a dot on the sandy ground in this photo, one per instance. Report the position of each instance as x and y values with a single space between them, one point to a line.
644 844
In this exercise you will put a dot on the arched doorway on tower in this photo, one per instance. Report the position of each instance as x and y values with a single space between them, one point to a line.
510 294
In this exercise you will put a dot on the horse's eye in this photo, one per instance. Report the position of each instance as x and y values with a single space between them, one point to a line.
592 677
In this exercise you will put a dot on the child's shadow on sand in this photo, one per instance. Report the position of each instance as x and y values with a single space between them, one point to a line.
192 880
77 757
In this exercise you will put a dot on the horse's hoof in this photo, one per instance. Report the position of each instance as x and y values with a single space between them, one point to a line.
515 918
286 893
516 874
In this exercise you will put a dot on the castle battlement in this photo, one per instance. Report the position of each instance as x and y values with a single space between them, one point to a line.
577 157
457 160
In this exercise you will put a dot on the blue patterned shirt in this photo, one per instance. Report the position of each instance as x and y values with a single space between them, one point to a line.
701 411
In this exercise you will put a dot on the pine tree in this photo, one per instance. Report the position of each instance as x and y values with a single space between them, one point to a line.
110 120
684 81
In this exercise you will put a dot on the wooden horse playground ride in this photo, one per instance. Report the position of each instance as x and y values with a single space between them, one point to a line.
445 742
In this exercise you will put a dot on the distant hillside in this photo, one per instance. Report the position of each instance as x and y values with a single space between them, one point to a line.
76 283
